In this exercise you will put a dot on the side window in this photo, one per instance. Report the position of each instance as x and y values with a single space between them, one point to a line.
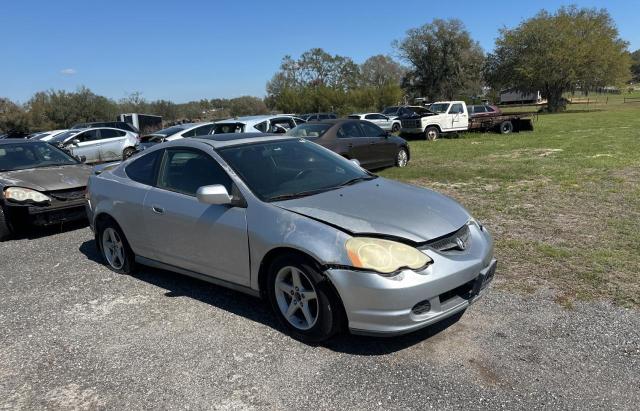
349 130
185 170
371 130
374 117
489 109
88 135
456 109
109 133
143 169
261 127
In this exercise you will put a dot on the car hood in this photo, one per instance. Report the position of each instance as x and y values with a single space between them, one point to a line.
385 208
47 178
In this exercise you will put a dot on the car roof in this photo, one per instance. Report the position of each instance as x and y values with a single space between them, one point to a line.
333 121
235 139
20 141
251 119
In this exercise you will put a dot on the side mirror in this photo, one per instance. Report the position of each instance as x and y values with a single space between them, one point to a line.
215 194
355 161
74 142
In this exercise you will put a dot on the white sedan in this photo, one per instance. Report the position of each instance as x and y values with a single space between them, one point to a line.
384 122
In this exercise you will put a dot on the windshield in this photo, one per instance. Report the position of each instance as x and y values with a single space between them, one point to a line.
33 155
439 108
60 138
391 110
169 131
280 170
309 130
223 128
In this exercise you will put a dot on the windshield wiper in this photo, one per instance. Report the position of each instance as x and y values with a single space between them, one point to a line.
290 196
357 180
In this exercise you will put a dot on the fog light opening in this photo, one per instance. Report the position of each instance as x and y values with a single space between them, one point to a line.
422 307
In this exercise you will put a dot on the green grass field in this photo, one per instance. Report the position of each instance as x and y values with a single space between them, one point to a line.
563 201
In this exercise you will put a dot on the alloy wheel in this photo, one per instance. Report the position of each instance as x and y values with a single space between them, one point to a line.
402 158
296 297
113 248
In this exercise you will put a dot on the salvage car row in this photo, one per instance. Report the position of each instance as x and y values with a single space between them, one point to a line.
328 244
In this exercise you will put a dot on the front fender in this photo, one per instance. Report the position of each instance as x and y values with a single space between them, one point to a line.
272 227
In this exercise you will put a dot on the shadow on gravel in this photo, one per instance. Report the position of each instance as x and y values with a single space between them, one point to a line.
34 232
254 309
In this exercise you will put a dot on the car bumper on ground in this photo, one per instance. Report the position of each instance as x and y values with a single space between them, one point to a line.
377 305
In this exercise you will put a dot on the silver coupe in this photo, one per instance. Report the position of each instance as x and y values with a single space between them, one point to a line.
328 244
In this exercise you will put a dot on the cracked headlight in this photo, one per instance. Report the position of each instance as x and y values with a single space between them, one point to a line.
384 256
21 195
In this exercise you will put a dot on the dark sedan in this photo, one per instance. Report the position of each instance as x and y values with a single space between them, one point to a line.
484 110
357 140
39 184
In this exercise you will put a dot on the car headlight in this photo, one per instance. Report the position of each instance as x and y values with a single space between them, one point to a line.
384 256
21 195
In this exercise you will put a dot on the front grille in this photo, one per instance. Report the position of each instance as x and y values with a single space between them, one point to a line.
67 195
411 124
458 240
463 291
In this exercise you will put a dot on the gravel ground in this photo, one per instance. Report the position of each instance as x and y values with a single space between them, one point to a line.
75 335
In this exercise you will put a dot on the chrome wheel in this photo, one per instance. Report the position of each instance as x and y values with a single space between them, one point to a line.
113 248
432 134
296 297
402 158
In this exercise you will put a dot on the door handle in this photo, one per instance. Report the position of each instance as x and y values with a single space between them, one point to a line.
157 210
350 145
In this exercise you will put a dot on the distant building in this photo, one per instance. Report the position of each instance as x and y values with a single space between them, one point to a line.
514 96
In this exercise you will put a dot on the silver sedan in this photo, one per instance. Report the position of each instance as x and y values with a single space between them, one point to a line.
328 244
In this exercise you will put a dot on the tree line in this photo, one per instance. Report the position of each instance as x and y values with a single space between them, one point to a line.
554 53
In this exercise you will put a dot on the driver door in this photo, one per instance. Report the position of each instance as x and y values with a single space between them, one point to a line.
88 145
458 117
208 239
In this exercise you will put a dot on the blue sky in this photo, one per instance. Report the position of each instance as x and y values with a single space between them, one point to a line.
186 50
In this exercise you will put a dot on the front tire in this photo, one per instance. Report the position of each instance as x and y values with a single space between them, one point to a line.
395 128
5 227
402 157
431 133
303 300
128 152
114 248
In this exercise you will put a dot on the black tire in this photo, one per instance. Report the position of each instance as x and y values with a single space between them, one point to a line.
395 128
5 227
402 157
506 127
128 266
128 152
329 311
431 133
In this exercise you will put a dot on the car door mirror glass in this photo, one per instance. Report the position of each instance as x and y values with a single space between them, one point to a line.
215 194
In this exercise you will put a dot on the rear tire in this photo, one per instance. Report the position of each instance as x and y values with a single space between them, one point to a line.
506 127
431 133
303 300
114 247
5 227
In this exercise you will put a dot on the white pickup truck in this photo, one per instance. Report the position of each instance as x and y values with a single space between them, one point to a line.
443 117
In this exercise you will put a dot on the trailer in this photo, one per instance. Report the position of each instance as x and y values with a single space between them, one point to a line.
502 123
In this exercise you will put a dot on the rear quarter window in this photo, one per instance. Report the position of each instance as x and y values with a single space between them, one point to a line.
143 169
